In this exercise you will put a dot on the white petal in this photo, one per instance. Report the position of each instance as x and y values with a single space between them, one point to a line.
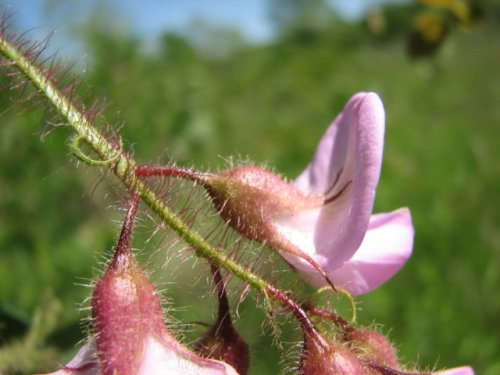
173 358
299 229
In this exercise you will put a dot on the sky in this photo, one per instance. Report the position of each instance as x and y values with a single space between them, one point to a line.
150 18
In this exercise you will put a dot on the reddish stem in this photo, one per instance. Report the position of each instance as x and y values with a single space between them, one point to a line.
223 314
159 171
330 315
297 310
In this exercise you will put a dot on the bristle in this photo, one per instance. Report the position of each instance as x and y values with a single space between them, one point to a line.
291 356
52 71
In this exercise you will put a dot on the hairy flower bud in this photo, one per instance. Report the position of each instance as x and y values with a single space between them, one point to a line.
250 198
367 353
222 341
130 334
373 346
323 357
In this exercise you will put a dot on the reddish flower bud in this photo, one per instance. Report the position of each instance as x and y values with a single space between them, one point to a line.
323 357
373 346
322 223
222 341
320 355
252 200
130 334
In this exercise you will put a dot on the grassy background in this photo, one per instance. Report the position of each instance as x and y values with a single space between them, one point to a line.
271 103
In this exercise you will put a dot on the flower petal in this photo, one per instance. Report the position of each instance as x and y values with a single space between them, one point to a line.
165 356
385 249
173 358
464 370
83 363
299 229
347 166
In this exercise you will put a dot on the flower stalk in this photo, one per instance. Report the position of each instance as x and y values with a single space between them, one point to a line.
117 160
127 171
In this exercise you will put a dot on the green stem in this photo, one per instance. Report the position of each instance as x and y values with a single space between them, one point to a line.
122 164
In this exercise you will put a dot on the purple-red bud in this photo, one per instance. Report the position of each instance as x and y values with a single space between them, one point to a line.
320 356
125 300
222 341
125 309
373 346
251 200
324 357
130 334
247 197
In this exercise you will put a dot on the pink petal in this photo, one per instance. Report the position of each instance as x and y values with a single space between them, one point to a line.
348 157
173 358
299 229
387 246
83 363
465 370
385 249
161 356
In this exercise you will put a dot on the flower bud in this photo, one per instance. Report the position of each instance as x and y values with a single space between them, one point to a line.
252 200
324 357
373 346
130 334
222 341
248 197
320 355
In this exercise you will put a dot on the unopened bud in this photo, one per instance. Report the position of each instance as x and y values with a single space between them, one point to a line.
324 357
373 346
130 333
222 341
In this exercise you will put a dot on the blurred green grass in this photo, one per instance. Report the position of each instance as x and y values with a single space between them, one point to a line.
272 103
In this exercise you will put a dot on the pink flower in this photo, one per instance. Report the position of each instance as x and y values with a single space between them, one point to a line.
464 370
322 223
357 250
130 333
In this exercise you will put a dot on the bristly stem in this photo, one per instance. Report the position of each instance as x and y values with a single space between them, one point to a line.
329 315
223 314
293 306
124 167
120 162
